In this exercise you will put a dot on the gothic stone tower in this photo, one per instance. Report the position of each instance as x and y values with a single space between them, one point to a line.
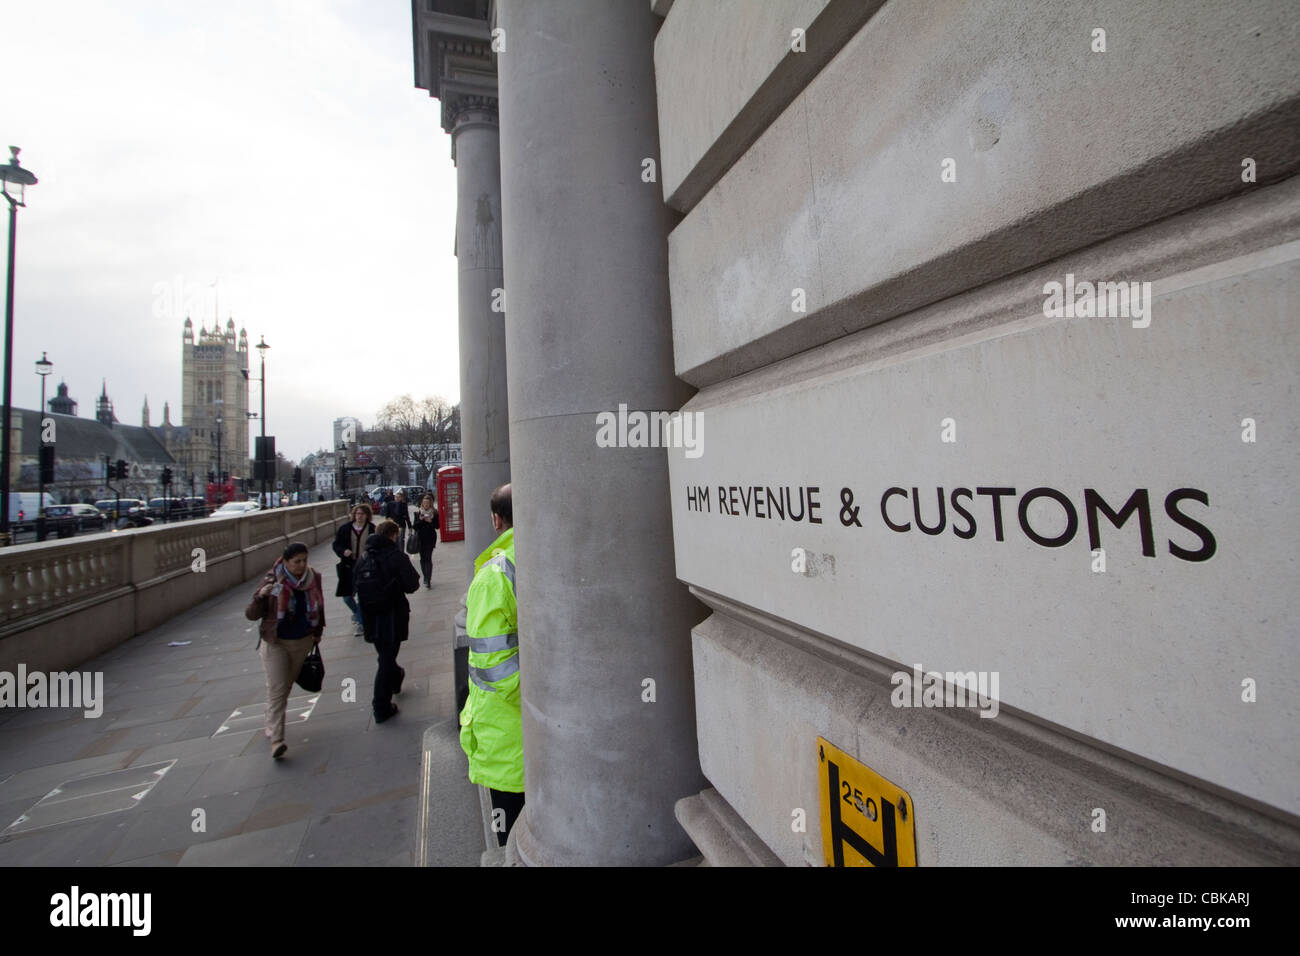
214 382
104 413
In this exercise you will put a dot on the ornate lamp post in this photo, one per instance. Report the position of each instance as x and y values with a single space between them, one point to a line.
13 180
343 470
43 368
221 485
261 351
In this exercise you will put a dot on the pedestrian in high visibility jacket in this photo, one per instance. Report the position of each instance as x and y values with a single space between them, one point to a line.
491 727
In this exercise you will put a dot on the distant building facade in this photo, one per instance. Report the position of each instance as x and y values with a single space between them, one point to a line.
83 446
213 435
214 385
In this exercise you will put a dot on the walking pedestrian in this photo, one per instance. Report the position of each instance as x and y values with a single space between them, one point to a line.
425 527
349 540
384 576
291 607
400 512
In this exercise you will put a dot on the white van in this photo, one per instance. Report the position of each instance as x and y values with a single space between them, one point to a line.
23 507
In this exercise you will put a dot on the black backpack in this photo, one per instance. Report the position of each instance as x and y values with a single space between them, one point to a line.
374 587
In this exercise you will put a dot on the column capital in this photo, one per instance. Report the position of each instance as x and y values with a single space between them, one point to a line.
470 110
453 57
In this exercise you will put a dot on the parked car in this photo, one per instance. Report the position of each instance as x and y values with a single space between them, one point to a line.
111 506
134 518
171 508
233 509
195 507
125 513
67 520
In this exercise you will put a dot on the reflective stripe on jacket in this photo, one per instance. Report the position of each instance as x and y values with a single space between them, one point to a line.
491 728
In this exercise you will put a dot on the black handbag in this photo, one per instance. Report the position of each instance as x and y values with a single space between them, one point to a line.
312 676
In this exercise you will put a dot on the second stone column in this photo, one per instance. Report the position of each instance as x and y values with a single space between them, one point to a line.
604 626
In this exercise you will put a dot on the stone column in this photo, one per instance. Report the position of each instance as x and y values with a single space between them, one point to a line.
484 422
455 63
588 328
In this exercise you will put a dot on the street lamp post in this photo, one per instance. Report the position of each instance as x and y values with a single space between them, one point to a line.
250 416
43 368
261 351
13 180
218 422
221 485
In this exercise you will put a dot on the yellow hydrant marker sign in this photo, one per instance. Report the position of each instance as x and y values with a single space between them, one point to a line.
866 820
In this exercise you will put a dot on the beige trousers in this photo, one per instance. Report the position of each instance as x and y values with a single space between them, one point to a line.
282 660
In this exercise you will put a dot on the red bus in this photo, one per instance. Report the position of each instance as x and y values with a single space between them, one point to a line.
218 495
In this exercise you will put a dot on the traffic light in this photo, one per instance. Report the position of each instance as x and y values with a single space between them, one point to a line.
166 477
297 476
121 469
47 464
264 458
212 477
225 477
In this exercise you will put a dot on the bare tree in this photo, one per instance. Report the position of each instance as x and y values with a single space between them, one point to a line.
284 470
414 431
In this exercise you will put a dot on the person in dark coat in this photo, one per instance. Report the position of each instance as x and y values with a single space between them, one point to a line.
387 623
400 512
349 539
425 525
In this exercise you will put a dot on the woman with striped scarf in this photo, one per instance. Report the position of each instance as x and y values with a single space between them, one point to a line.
291 607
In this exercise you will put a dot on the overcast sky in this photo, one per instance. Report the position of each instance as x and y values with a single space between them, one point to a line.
278 147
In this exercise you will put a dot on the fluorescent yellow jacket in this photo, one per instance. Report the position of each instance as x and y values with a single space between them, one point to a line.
491 731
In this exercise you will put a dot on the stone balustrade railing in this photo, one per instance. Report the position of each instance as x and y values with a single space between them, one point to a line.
65 602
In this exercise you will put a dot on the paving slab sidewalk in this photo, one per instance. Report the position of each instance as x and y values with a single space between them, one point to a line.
348 792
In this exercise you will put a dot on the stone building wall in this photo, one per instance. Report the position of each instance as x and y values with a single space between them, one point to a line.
886 284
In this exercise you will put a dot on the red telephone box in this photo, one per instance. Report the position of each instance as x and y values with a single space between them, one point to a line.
451 504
